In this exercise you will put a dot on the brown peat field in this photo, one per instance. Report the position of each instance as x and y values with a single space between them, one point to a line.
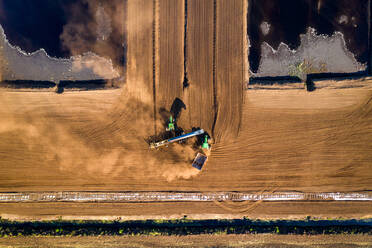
256 240
263 140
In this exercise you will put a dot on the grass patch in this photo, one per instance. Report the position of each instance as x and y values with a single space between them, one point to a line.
182 227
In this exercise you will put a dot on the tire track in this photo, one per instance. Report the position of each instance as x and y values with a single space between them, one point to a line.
215 103
155 37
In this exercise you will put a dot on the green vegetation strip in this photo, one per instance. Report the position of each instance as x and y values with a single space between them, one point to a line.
182 227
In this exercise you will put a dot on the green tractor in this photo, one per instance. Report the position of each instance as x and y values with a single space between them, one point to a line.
205 143
170 124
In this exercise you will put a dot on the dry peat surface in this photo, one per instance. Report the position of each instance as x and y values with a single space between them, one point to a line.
93 141
263 140
257 240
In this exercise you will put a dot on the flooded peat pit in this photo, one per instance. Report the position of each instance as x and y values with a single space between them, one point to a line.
283 21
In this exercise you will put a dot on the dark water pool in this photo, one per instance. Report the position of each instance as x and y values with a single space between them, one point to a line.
35 24
287 19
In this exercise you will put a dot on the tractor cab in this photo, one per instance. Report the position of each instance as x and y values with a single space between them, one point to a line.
205 144
171 126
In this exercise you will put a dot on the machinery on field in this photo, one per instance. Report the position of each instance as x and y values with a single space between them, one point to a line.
172 129
205 143
171 126
199 161
175 139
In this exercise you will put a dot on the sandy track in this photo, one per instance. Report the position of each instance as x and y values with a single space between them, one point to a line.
171 52
221 240
199 94
195 210
229 67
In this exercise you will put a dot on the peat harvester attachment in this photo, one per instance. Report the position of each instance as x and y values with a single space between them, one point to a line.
154 145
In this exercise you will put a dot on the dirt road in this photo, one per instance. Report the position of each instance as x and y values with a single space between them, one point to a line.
260 241
193 210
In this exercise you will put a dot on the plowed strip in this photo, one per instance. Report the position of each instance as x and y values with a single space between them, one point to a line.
140 48
229 67
200 64
171 39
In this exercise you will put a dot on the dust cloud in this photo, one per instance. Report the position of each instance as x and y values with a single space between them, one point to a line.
11 125
173 162
96 26
182 169
102 145
100 66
